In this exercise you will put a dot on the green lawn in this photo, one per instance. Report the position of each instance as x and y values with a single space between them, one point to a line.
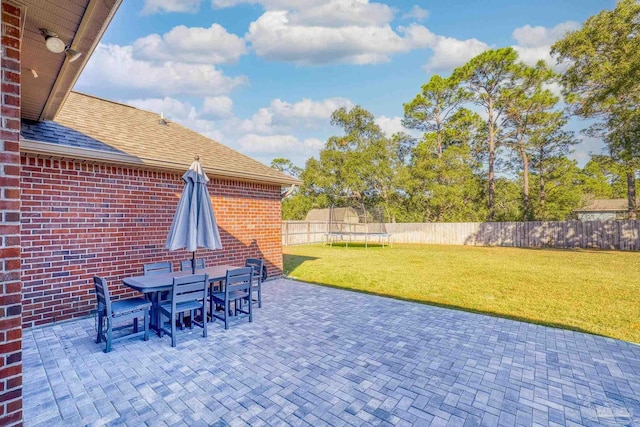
590 291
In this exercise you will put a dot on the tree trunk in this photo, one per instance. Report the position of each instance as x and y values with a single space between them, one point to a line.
438 131
542 195
525 182
631 194
492 158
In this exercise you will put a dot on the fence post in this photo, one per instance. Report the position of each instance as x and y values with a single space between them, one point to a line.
308 232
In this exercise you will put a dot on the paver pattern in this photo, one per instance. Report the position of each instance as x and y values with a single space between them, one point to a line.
321 356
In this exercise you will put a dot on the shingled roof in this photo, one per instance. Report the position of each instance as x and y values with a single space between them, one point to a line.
128 135
606 205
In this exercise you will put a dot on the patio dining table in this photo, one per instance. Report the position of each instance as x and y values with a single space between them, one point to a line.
152 285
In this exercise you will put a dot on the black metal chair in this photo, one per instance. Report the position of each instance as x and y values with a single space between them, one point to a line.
185 265
237 289
119 311
259 275
189 294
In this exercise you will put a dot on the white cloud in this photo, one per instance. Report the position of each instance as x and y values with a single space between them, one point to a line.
275 144
170 108
307 109
158 6
282 116
417 13
449 52
275 36
115 67
218 107
390 125
325 13
534 43
213 45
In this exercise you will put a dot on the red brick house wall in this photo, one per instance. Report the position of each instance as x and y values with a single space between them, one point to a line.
81 219
10 289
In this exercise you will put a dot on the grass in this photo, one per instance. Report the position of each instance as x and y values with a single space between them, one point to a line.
585 290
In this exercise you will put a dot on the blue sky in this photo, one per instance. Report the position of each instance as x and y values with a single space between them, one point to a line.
263 76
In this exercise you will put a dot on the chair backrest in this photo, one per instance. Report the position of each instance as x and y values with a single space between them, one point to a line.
185 265
239 279
158 268
259 271
102 295
190 288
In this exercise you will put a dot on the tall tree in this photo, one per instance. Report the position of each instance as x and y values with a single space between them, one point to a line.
487 76
550 144
602 81
527 104
431 109
361 166
446 186
604 178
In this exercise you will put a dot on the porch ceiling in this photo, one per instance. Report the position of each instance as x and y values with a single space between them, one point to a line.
78 23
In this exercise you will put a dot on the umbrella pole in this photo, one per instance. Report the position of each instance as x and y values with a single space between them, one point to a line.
193 263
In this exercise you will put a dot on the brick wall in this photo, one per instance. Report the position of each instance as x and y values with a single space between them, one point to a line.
81 219
10 289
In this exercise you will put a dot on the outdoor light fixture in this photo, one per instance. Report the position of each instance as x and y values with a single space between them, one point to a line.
55 45
72 54
52 41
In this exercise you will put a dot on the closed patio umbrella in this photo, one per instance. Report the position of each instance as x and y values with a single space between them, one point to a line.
194 224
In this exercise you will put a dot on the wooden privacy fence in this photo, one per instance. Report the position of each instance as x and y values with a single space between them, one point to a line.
621 235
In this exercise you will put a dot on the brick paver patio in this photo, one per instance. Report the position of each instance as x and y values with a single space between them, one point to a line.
322 356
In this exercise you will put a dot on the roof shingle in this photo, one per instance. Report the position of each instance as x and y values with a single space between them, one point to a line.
89 122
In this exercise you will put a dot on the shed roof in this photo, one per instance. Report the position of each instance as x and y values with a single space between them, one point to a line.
89 125
605 205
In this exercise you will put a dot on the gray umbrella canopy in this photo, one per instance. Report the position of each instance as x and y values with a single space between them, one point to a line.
194 224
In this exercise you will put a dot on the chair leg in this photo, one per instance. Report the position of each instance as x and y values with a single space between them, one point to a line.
109 335
227 308
260 294
250 308
100 332
146 324
173 330
204 319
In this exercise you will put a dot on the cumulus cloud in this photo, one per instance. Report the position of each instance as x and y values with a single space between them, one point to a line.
534 43
390 125
170 108
277 37
448 52
158 6
213 45
326 13
307 109
274 144
417 13
115 67
217 107
280 116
